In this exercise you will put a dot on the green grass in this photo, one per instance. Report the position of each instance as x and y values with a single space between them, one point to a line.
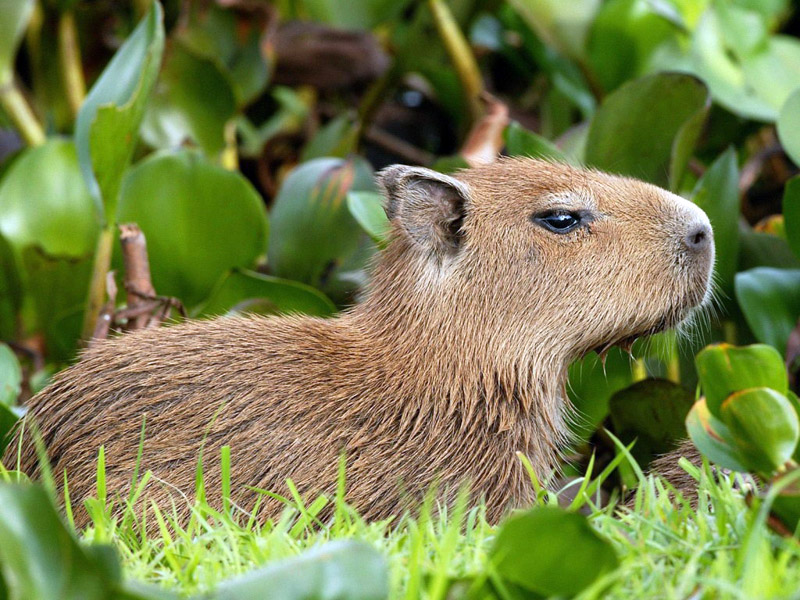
667 549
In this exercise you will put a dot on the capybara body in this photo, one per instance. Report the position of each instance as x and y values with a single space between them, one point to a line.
493 281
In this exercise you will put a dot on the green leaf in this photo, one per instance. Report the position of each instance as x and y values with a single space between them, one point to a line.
551 552
789 127
770 301
10 376
653 412
717 193
16 14
648 127
360 14
336 138
791 213
724 369
338 570
44 560
712 438
248 291
521 142
183 108
10 291
44 201
107 126
200 221
563 25
763 426
313 231
758 249
623 37
367 209
8 420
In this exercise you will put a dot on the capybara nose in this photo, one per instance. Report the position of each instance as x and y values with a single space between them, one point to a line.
699 238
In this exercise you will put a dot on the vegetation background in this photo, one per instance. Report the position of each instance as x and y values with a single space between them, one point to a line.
241 137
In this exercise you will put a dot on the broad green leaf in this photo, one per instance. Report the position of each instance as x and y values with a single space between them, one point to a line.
10 376
759 249
786 505
234 44
623 37
712 438
15 17
44 560
563 25
360 14
367 209
336 138
591 385
57 289
724 369
789 129
338 570
107 126
774 70
648 127
10 291
521 142
313 231
248 291
551 552
791 210
717 193
44 201
8 420
184 109
763 426
770 301
653 412
200 221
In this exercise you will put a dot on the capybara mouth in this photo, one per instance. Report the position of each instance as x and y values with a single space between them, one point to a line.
669 320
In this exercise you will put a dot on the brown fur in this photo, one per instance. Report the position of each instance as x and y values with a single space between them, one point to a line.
455 360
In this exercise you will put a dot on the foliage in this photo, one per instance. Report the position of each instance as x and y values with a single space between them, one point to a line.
248 162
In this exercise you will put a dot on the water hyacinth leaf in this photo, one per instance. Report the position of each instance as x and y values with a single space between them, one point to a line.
758 249
57 287
10 291
770 301
648 127
313 231
44 201
763 426
552 552
791 210
199 219
653 412
712 438
336 570
336 138
367 209
47 562
16 14
248 291
564 25
786 505
521 142
108 122
717 193
8 420
622 39
724 369
789 126
10 376
184 109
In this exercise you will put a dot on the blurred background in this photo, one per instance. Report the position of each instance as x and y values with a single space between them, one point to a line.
242 137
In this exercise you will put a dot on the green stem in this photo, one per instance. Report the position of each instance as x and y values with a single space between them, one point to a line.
460 53
97 285
21 114
69 54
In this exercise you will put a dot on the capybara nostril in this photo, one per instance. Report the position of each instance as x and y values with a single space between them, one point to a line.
699 238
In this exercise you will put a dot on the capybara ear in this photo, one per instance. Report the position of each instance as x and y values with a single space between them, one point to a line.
428 206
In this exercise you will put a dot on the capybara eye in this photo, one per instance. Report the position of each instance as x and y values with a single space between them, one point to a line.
559 221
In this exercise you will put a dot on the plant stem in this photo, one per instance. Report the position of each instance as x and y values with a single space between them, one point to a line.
230 157
69 54
460 53
97 286
21 114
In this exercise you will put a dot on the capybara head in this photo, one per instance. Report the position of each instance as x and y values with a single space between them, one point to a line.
534 252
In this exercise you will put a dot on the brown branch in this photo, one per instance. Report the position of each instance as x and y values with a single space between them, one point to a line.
105 318
138 284
485 139
399 147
